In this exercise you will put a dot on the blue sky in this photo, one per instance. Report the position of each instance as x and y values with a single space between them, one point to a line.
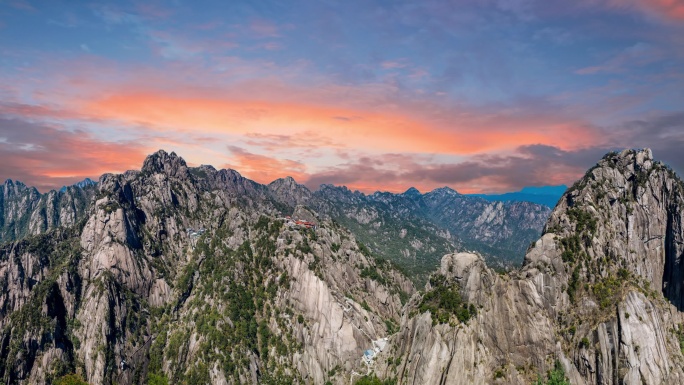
482 96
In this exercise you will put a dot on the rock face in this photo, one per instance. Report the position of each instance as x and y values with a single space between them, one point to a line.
24 211
599 293
190 275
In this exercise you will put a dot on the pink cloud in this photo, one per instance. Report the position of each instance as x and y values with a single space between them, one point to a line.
265 169
264 28
49 157
670 10
23 5
392 64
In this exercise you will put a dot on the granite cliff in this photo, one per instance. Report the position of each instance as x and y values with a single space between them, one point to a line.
598 296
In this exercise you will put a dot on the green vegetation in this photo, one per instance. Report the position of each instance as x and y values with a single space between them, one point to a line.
606 291
679 332
584 343
157 379
385 242
583 220
364 306
392 326
228 302
571 248
372 273
71 379
573 285
444 302
59 253
374 380
554 377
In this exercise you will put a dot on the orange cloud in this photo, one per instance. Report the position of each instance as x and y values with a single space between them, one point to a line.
46 157
264 169
376 130
666 9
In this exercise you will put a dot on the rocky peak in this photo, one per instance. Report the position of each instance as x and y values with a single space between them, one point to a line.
85 183
337 193
412 192
444 191
19 191
163 162
288 183
289 191
15 187
624 217
601 293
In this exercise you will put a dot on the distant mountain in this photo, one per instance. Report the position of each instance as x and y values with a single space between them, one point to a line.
543 195
25 211
414 230
82 184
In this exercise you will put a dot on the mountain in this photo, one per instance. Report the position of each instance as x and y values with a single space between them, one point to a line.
415 230
412 230
191 275
599 298
544 195
24 211
87 182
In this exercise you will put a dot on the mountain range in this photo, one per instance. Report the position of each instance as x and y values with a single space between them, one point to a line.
411 229
192 275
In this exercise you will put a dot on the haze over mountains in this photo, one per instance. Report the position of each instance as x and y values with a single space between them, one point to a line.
544 195
191 275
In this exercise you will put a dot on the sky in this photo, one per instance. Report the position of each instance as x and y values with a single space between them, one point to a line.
482 96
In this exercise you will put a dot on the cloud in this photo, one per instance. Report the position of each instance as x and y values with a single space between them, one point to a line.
275 142
665 9
264 169
403 127
393 64
262 28
663 133
49 157
528 166
152 10
637 55
22 5
535 164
